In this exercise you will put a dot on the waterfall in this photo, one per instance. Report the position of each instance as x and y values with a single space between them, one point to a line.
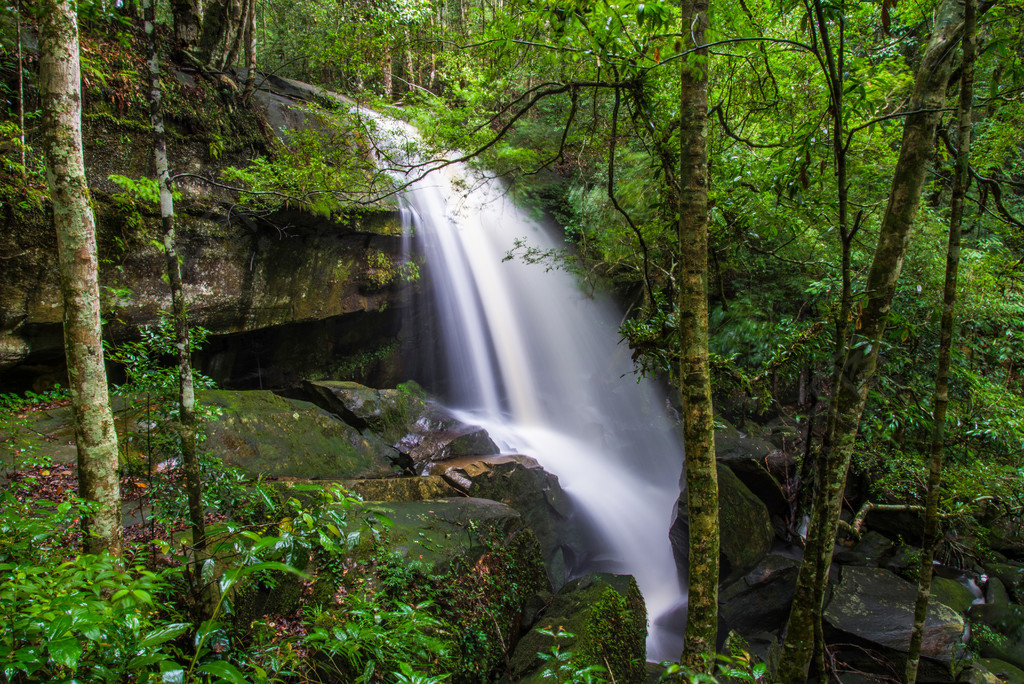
530 354
535 359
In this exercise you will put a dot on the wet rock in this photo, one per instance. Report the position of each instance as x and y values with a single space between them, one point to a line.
264 434
606 617
875 605
748 457
422 430
1004 636
746 530
995 591
868 551
386 412
1012 577
521 483
413 488
994 671
760 600
951 593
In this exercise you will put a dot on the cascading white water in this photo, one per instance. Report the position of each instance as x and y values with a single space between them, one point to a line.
537 362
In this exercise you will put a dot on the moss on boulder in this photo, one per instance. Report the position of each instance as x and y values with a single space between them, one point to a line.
601 620
265 434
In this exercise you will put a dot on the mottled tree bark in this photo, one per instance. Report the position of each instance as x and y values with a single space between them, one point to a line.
222 28
250 49
186 390
386 71
187 22
60 89
695 372
931 515
850 394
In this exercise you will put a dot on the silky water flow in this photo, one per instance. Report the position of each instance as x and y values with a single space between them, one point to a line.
532 356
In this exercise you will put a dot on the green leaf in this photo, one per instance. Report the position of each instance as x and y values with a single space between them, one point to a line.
159 636
65 652
224 670
172 673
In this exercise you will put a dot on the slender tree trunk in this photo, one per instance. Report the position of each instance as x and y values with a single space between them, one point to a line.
220 36
850 395
60 88
386 70
931 515
695 374
250 50
21 96
410 70
186 395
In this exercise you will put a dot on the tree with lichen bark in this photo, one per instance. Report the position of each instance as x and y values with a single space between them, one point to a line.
186 388
960 181
695 372
851 391
60 90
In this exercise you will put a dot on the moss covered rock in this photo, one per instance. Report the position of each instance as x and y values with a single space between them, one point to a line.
265 434
473 559
876 605
423 431
601 619
520 482
999 632
746 530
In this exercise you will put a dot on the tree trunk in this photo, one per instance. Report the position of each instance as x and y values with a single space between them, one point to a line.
931 515
386 70
250 50
695 375
850 393
21 95
60 88
186 394
187 22
222 24
410 70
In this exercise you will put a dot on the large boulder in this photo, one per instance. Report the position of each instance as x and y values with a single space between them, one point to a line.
877 606
994 671
744 525
422 431
760 600
521 483
749 457
600 619
870 550
1012 577
1003 633
265 434
473 559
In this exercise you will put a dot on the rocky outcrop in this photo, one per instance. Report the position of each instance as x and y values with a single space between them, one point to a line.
521 483
750 458
265 434
600 619
242 272
422 431
744 525
760 600
876 606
